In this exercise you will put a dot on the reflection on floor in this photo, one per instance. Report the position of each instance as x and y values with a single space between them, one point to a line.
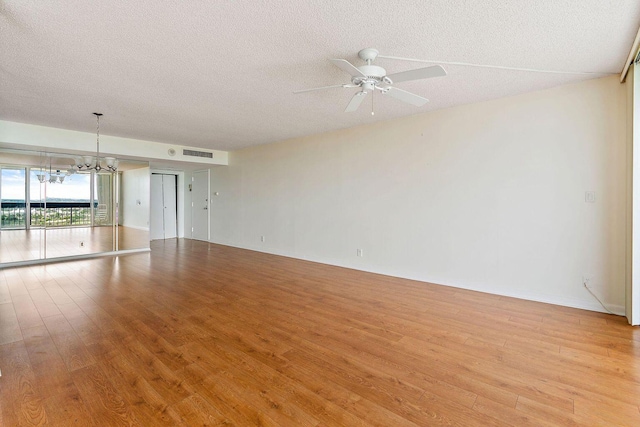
23 245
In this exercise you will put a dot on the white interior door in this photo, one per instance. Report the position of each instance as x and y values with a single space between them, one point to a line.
163 207
200 205
170 206
157 208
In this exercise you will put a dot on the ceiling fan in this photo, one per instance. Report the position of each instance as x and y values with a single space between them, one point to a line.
370 78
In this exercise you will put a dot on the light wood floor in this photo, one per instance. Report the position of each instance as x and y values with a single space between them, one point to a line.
24 245
199 334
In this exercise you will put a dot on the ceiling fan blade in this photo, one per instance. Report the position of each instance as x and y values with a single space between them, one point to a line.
405 96
318 88
419 73
355 102
347 67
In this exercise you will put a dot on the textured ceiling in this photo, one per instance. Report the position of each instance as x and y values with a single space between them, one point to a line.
220 74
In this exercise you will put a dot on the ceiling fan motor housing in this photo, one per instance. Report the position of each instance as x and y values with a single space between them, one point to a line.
373 73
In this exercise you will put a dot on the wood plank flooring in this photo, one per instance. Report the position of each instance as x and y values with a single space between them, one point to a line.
201 334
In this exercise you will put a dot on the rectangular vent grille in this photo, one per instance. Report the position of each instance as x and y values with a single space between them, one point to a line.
195 153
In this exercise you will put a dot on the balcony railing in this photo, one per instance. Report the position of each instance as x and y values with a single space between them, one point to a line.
56 214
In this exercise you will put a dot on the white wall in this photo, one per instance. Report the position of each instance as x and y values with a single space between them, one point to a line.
134 211
489 196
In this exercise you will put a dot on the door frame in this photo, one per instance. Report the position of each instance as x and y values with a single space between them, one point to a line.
208 171
632 294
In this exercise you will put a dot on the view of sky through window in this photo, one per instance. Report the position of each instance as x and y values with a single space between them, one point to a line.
75 187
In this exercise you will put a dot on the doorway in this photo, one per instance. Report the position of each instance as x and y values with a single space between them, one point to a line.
200 205
164 206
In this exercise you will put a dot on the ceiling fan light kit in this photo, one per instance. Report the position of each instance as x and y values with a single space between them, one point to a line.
370 78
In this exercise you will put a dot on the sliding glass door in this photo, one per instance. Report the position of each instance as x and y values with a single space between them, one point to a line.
13 187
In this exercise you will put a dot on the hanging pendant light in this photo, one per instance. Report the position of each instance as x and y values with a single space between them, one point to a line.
41 173
56 177
93 163
51 177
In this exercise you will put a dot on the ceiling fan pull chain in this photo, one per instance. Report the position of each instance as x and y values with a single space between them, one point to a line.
373 93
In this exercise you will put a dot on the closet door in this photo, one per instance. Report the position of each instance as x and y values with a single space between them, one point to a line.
157 208
164 208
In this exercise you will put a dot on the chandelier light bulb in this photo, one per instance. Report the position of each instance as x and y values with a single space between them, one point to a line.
87 161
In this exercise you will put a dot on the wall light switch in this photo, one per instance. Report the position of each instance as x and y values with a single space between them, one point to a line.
590 196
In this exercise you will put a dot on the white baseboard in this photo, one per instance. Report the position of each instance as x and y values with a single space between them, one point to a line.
135 227
586 304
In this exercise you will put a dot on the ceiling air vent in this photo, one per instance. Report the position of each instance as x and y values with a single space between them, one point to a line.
194 153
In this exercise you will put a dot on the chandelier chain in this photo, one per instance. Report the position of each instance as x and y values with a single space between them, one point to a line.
98 136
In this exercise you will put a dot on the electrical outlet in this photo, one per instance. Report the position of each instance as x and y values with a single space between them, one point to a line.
359 252
81 244
590 196
262 239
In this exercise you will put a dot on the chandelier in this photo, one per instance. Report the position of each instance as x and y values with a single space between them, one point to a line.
87 163
54 177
